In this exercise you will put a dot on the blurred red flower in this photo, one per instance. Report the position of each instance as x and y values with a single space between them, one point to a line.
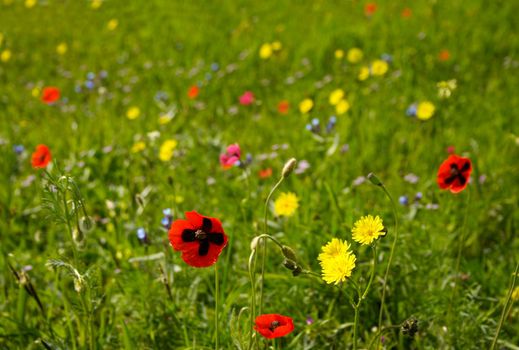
265 173
273 325
41 157
50 94
444 55
283 107
406 13
193 91
454 173
201 239
370 8
247 98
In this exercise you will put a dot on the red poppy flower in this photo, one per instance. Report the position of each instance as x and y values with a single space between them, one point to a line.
50 94
201 239
444 55
273 325
193 91
370 8
41 157
283 107
406 13
454 173
265 173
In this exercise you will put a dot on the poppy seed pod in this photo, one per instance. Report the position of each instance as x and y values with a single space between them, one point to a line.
289 167
410 326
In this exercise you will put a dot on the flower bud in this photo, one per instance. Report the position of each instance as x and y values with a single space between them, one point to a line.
410 327
254 243
289 167
374 179
289 253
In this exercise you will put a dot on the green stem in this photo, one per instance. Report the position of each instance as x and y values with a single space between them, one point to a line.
252 277
383 299
216 292
503 313
355 324
265 231
373 267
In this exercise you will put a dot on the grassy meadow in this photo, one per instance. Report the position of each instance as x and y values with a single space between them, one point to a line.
145 99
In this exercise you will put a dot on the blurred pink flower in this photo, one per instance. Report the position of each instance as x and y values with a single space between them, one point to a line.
247 98
231 156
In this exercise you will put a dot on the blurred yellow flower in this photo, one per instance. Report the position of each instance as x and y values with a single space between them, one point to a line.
286 204
35 92
5 56
363 73
138 146
166 150
445 88
112 24
379 67
96 4
367 229
425 110
339 54
165 118
355 55
265 51
133 113
277 46
30 3
336 96
306 105
337 261
515 294
62 48
342 107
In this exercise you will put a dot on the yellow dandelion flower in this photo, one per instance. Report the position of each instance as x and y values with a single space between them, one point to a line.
165 118
5 56
62 48
265 51
35 92
277 46
337 261
515 294
342 107
379 67
286 204
306 105
133 113
425 110
367 229
138 147
166 150
336 96
95 4
363 73
30 3
112 24
339 54
355 55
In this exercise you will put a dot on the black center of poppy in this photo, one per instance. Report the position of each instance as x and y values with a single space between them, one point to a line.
456 173
204 236
274 325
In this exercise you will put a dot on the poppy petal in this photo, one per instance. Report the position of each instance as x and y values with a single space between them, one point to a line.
195 219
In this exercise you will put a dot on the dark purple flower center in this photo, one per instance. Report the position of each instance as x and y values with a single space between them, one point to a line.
204 236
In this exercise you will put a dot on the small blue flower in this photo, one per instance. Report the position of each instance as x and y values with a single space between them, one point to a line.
403 200
208 76
166 212
91 75
18 149
89 84
418 196
214 66
141 234
103 74
387 57
411 110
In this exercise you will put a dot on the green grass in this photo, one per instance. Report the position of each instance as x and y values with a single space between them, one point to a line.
168 46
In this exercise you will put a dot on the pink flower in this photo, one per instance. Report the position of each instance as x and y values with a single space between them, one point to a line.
450 149
231 156
247 98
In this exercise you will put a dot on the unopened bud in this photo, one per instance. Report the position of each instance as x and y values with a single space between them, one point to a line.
374 179
289 167
289 253
86 224
290 264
